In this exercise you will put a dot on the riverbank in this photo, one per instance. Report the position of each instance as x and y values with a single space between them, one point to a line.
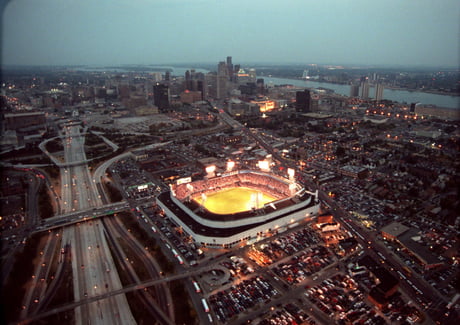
397 95
427 91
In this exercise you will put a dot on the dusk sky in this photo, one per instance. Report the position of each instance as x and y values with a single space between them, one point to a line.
110 32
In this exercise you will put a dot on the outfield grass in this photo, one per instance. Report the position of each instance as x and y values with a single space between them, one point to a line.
233 200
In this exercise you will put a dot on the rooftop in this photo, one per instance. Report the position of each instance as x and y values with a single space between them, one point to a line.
395 229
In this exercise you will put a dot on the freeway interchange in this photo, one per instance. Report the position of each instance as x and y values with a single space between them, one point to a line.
91 256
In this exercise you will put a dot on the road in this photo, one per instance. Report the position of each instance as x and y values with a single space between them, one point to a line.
158 298
89 250
37 290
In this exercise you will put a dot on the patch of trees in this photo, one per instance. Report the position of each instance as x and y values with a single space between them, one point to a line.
184 312
54 145
114 193
20 153
52 171
92 139
12 293
45 207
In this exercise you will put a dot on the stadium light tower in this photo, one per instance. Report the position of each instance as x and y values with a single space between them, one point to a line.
230 165
264 165
210 171
291 173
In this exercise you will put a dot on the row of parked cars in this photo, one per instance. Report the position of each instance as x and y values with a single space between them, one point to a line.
241 297
287 315
290 244
341 299
310 261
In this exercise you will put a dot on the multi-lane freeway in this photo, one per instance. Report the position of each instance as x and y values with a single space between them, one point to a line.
91 257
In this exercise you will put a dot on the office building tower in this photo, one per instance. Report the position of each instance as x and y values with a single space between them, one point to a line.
354 90
221 87
201 86
379 91
252 75
217 85
168 76
156 76
303 101
188 80
260 86
236 68
222 69
230 67
161 97
364 88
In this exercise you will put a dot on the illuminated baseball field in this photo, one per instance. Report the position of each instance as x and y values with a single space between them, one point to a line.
234 200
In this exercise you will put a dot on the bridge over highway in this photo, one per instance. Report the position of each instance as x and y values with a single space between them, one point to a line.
81 215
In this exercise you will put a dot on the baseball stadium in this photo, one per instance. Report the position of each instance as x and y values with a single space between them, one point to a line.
238 207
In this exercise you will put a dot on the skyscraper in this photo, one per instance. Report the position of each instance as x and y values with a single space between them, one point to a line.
252 75
364 88
222 69
230 67
221 87
354 90
379 91
201 86
161 97
303 101
260 86
188 81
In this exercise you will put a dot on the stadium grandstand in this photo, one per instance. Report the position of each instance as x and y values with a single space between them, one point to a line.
273 204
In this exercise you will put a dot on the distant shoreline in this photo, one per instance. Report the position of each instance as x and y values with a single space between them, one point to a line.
435 92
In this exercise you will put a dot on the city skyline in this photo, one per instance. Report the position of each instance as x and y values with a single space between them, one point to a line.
50 32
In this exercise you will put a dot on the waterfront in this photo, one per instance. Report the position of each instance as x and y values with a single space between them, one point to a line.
401 96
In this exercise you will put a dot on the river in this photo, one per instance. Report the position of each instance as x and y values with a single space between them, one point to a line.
401 96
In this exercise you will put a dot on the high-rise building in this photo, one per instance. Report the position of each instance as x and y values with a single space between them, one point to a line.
303 100
221 89
260 85
201 86
230 67
222 69
188 81
161 96
236 68
217 85
252 75
364 88
354 90
379 91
